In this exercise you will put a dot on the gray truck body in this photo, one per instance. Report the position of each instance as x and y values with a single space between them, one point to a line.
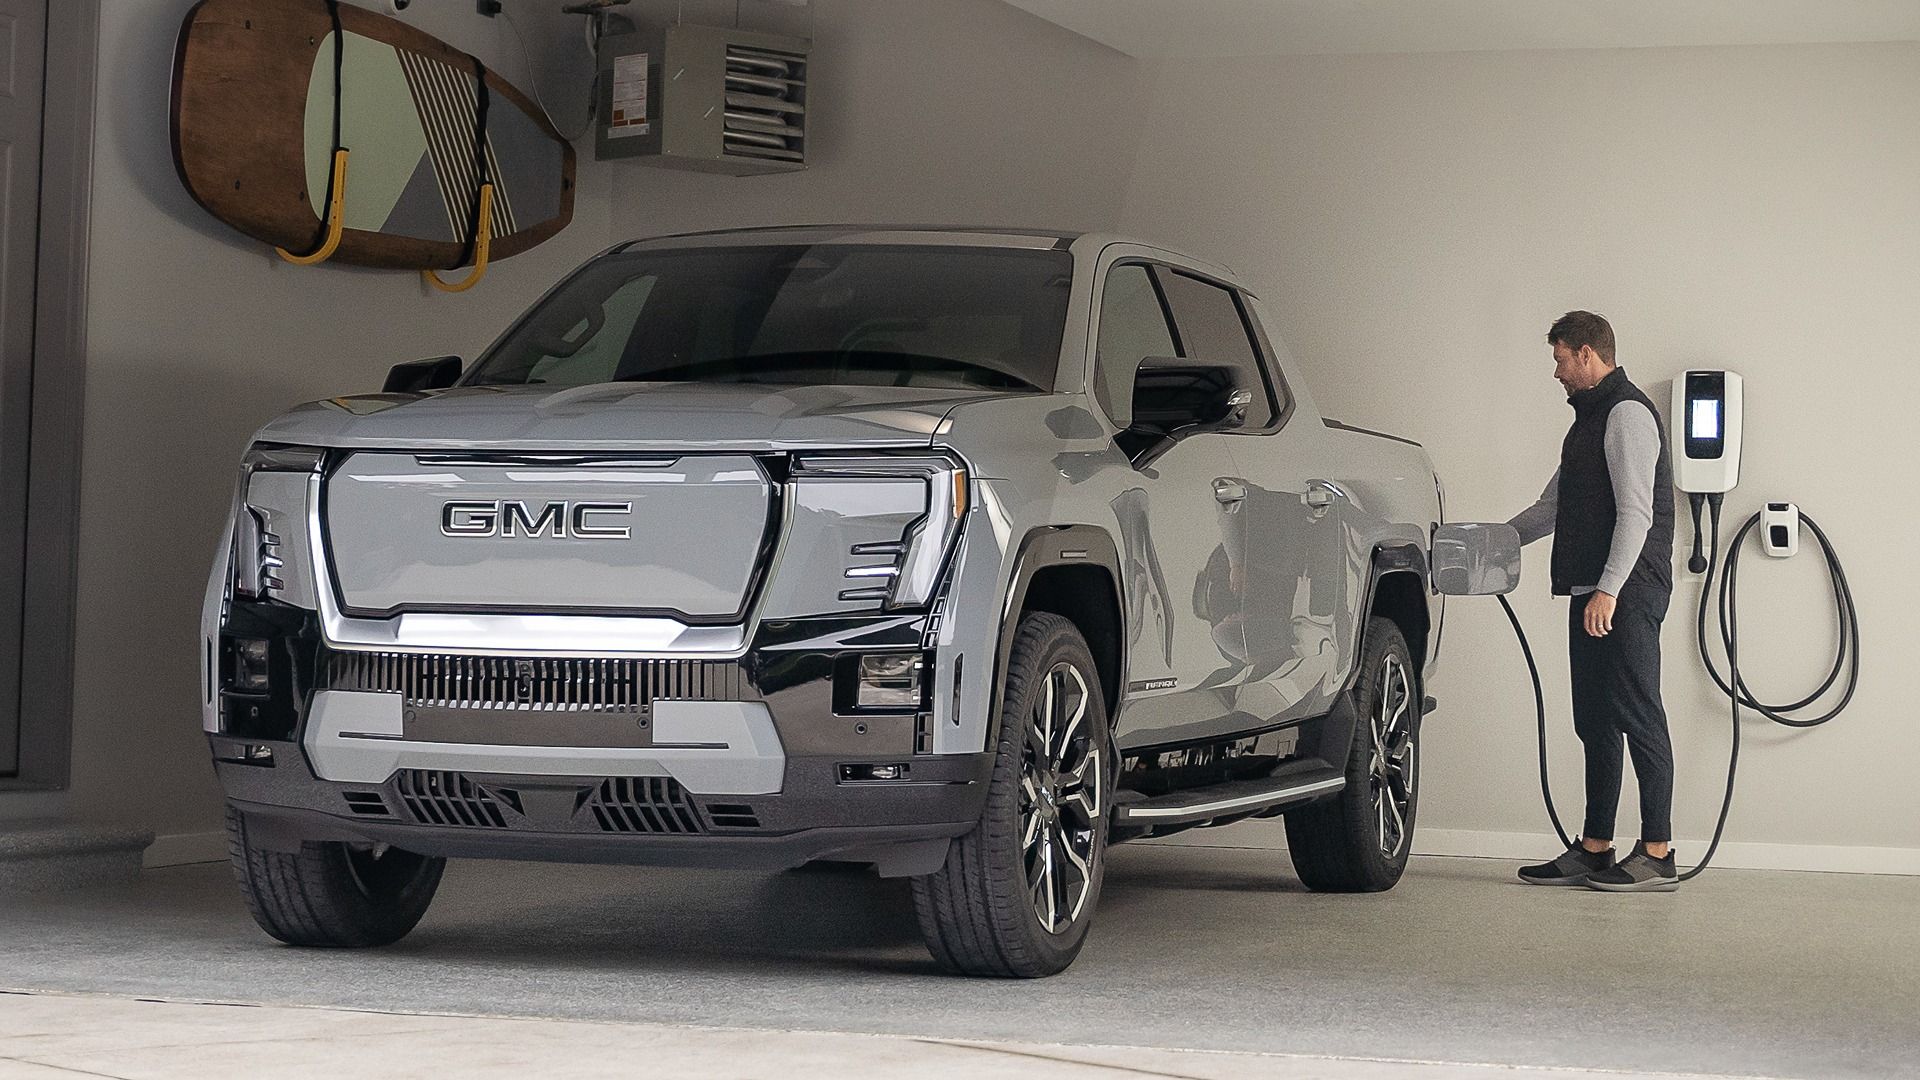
536 598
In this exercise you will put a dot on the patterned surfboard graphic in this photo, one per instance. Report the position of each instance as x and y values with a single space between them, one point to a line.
409 122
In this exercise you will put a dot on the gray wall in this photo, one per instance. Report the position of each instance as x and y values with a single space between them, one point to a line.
196 335
1418 221
925 110
1414 220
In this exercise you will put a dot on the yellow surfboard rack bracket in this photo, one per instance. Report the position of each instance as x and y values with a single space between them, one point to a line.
336 217
482 244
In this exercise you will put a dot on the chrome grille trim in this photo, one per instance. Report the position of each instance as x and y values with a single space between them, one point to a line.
564 684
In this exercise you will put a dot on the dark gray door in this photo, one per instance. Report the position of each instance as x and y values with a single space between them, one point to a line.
23 46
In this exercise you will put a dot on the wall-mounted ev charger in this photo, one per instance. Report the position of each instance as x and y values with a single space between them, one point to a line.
1708 404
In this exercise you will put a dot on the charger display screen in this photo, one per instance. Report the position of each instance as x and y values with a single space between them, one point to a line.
1706 420
1706 414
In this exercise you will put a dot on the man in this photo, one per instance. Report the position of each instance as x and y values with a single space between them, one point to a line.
1610 510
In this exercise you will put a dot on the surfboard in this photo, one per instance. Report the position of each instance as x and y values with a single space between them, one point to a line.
253 136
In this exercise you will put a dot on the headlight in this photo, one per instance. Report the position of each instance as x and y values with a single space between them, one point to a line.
903 570
257 560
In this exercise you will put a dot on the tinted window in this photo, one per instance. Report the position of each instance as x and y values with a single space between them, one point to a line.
1132 327
890 315
1276 356
1212 331
593 346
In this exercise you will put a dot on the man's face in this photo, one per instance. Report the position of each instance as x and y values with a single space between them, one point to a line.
1577 369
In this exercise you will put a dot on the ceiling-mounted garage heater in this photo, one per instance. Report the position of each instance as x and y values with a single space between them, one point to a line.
709 98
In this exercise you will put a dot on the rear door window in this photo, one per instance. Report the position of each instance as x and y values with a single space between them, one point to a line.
1213 330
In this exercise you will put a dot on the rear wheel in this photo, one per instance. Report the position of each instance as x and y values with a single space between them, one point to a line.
1017 894
1359 840
332 894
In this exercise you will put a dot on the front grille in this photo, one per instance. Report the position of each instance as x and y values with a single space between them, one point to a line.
550 683
644 804
448 798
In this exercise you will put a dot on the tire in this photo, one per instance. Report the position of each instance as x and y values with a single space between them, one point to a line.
330 894
1359 840
1017 893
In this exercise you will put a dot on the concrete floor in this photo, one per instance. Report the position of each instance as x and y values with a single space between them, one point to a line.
1217 949
52 1036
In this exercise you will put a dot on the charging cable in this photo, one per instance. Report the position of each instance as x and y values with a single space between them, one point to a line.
1739 695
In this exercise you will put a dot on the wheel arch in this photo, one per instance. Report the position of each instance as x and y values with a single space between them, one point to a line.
1397 591
1072 571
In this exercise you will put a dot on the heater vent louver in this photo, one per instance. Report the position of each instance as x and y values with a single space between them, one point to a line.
765 114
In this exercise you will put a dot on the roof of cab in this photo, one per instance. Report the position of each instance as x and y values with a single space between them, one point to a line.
936 235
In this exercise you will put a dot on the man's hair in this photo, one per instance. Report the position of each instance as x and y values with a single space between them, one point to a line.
1577 328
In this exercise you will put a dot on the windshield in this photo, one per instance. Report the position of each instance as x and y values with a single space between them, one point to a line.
841 314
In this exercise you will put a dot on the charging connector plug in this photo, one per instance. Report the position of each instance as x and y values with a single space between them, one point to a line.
1697 564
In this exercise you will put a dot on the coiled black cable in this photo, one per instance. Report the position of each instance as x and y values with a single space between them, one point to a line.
1739 695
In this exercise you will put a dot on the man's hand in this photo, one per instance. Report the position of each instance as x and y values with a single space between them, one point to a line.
1599 617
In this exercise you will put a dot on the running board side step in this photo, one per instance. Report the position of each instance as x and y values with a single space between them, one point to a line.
1230 800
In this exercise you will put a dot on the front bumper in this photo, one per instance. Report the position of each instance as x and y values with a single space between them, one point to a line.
901 827
503 782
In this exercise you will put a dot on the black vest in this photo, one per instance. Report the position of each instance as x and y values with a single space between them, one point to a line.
1583 528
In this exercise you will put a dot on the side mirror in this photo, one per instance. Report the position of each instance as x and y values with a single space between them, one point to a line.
1172 396
416 375
1476 559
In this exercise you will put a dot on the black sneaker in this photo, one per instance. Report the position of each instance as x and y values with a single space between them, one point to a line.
1638 872
1573 867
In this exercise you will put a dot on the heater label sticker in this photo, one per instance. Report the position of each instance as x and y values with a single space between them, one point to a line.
629 97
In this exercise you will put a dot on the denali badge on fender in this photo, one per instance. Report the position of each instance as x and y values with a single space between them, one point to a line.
556 519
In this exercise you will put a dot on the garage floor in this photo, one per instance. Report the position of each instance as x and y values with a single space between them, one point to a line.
1219 949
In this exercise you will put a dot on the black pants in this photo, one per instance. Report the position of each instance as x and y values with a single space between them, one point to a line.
1616 699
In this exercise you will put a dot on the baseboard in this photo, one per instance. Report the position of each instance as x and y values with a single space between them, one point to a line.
1271 834
60 854
181 849
1824 858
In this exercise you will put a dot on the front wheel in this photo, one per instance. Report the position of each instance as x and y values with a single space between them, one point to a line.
330 893
1359 840
1017 893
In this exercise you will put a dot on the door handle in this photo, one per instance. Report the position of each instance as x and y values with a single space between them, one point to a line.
1229 491
1321 494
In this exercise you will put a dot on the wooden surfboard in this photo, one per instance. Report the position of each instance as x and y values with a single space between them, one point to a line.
253 116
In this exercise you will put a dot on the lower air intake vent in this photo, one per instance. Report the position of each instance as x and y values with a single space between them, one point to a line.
367 804
732 816
448 798
644 804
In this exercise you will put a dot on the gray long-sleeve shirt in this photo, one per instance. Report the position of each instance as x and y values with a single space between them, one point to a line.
1633 453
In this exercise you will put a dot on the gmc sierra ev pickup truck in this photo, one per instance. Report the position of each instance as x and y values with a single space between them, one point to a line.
962 554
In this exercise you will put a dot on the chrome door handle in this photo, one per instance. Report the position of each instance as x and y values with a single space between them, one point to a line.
1229 491
1320 494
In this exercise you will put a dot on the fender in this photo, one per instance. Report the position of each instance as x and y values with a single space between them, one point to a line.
1043 547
